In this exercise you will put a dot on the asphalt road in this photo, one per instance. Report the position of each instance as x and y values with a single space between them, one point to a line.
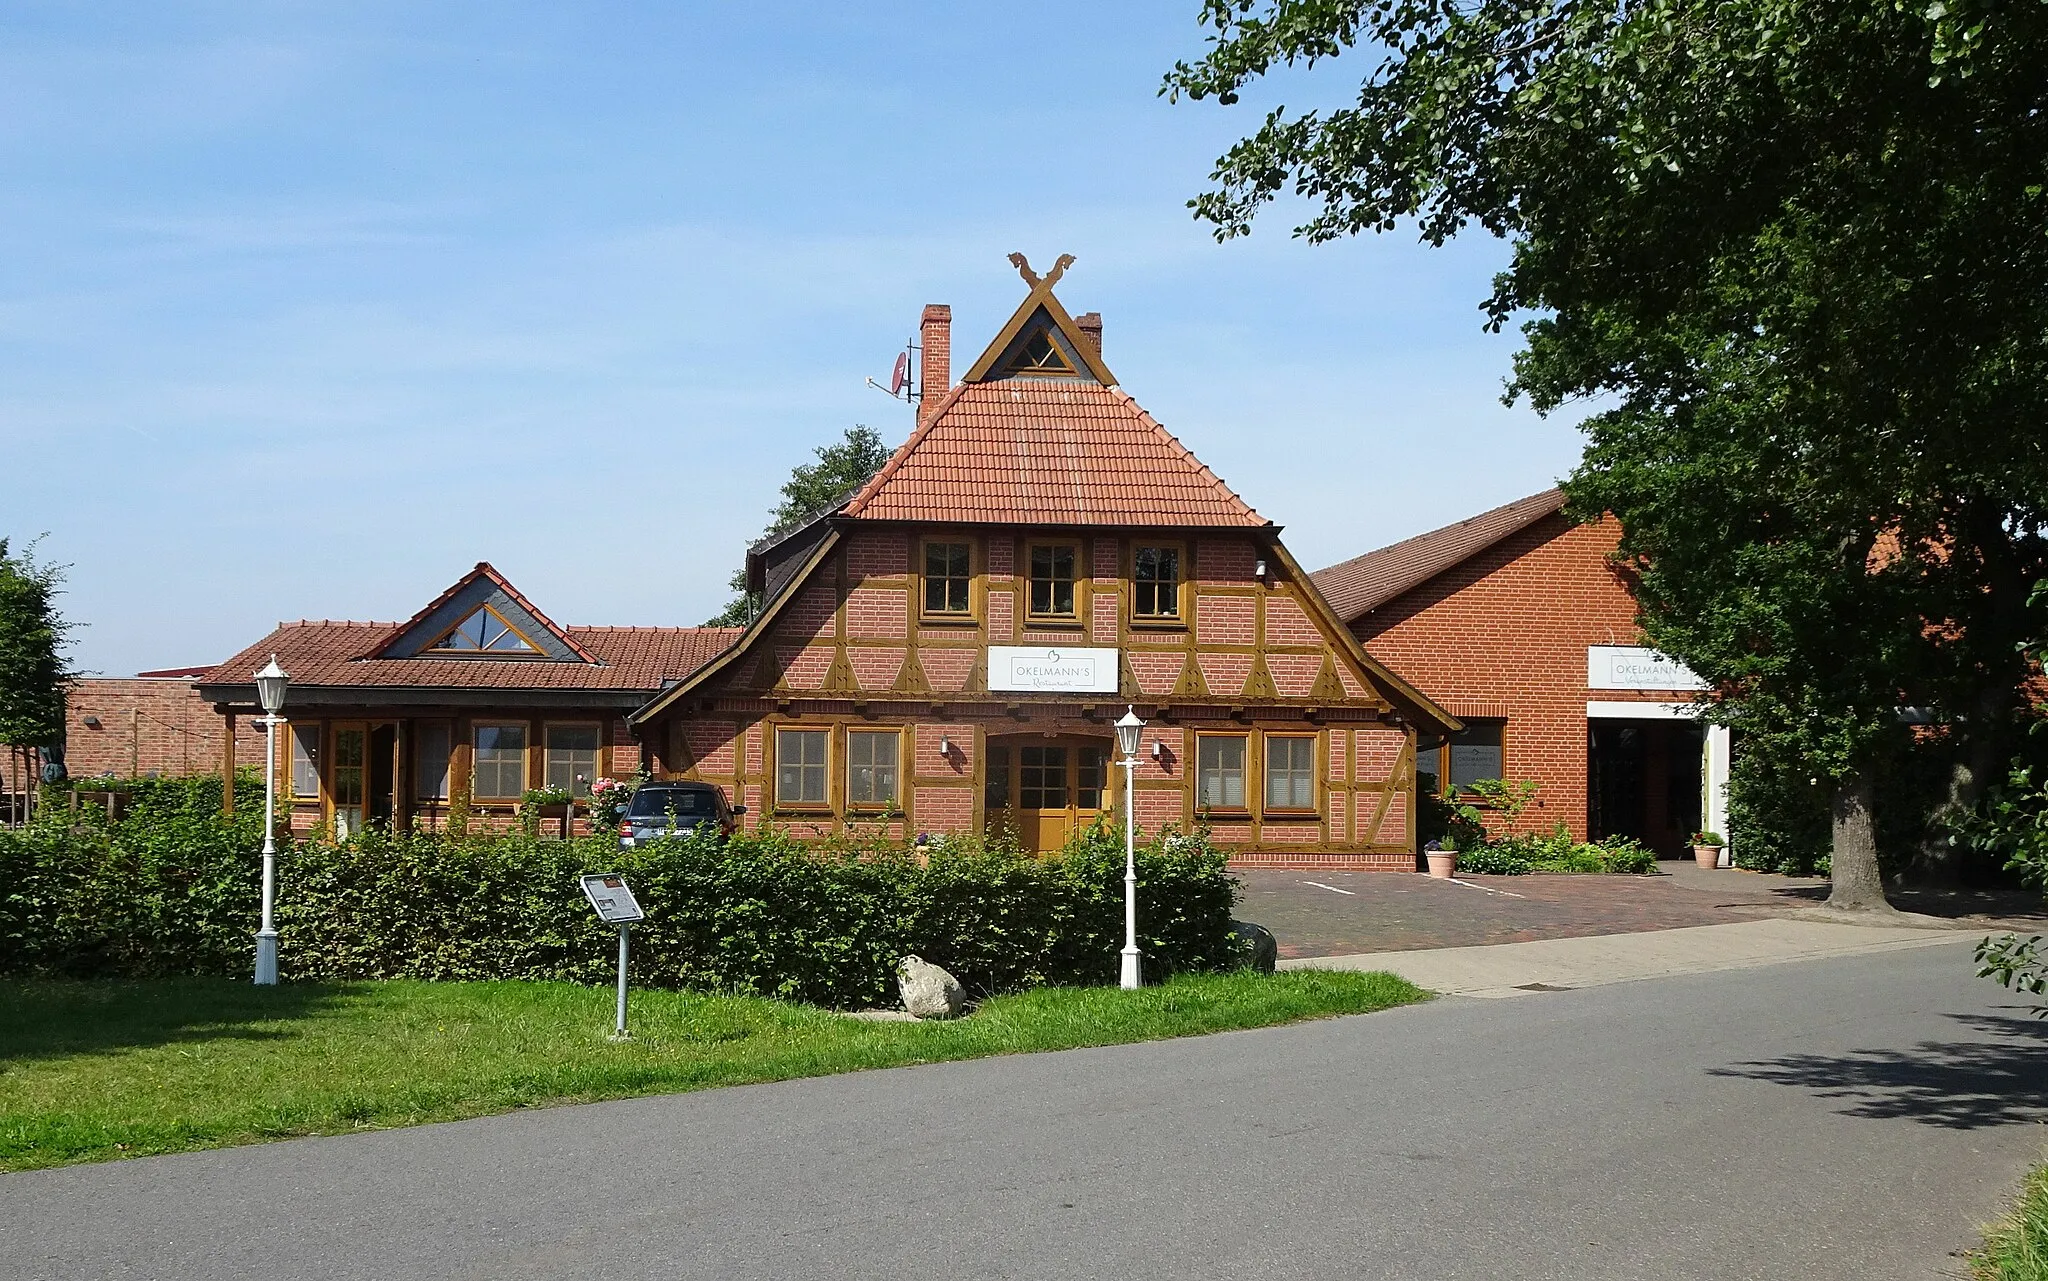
1856 1117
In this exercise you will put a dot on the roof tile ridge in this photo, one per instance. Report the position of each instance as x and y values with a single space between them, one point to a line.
1542 509
866 494
1145 415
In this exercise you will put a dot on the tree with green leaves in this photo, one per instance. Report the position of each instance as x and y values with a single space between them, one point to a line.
1795 250
33 671
811 490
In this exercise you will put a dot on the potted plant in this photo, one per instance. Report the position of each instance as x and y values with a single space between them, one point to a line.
1706 848
1443 858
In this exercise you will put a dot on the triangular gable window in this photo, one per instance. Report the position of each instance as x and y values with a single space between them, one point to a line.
484 632
1040 355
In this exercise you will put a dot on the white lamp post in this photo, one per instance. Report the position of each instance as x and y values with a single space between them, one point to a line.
1128 728
270 685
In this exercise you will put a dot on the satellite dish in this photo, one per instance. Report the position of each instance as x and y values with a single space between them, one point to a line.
901 375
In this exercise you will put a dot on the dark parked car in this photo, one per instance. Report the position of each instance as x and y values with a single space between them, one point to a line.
663 809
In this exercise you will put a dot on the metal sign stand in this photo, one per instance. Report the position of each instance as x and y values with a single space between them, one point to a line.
614 904
619 1033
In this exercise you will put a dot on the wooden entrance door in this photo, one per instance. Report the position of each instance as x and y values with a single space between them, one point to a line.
362 775
1044 788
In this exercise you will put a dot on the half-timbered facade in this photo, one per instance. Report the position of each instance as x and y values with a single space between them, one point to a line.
947 650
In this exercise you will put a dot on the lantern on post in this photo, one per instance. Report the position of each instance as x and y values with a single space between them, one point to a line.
1128 730
270 688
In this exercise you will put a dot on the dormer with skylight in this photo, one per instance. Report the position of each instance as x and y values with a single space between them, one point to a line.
483 632
482 617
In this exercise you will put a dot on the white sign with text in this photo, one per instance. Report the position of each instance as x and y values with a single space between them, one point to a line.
614 902
1636 667
1052 670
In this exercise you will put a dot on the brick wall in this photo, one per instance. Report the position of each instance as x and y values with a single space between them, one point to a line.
1507 631
150 727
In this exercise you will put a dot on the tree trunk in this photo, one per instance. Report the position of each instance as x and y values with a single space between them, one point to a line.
1858 887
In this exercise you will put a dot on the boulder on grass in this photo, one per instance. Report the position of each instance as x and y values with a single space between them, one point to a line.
928 991
1256 944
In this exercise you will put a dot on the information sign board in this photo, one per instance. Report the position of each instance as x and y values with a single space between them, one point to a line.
1636 667
614 902
1037 669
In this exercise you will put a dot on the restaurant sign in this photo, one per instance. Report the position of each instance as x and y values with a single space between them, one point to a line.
1058 670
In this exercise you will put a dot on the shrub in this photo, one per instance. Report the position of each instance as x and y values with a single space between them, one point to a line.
175 892
1493 860
1556 851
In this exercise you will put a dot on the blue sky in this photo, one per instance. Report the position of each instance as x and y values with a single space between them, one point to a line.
305 309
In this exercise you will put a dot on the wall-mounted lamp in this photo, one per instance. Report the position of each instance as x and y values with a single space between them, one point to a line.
1259 569
92 722
1158 750
945 745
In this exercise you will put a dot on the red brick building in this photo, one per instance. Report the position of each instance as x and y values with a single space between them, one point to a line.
1518 622
154 723
947 650
474 700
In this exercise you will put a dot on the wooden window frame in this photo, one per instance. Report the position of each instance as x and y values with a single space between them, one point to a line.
1177 621
1250 780
416 741
976 574
318 760
1314 809
1080 582
597 754
774 763
432 648
525 728
895 803
1018 369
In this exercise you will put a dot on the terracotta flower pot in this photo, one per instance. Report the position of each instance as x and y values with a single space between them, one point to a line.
1707 855
1443 866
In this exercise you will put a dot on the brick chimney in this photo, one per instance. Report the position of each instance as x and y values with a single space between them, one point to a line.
935 369
1090 323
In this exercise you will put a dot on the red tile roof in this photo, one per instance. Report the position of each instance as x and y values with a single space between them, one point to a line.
1047 452
326 653
1364 583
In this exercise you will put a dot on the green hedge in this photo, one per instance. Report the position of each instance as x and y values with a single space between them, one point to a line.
172 889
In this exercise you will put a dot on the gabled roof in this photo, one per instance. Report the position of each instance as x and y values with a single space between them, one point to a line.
1031 452
1364 583
1040 313
479 588
329 653
1017 446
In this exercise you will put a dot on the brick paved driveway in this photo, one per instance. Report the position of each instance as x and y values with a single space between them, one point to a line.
1337 913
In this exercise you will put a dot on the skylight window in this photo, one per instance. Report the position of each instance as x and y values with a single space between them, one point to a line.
485 632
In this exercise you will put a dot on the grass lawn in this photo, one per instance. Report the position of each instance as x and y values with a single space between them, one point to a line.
91 1071
2017 1249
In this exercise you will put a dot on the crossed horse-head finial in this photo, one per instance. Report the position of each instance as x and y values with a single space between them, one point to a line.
1031 277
